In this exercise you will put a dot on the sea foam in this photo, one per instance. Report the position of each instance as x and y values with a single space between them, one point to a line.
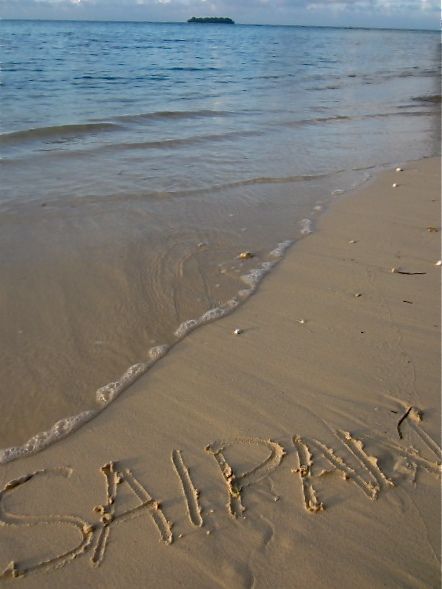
109 392
42 440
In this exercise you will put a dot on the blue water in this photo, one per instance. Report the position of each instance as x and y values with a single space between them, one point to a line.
153 92
138 160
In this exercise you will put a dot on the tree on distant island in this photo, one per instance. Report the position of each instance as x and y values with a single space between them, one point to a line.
220 20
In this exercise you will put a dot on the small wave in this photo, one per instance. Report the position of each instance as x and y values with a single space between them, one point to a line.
278 179
215 188
433 98
54 132
171 143
357 117
173 114
318 120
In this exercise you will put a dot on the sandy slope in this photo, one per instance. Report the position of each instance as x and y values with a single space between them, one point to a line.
355 365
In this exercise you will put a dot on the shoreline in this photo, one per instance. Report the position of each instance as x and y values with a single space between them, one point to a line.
334 343
250 274
104 395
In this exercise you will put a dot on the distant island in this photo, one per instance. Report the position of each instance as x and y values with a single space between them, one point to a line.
219 20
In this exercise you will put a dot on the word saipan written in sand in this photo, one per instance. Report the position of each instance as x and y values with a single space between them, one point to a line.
358 467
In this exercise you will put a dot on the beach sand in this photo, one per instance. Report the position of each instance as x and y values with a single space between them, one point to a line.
272 458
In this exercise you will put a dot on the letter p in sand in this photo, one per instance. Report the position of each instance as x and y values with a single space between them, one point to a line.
237 482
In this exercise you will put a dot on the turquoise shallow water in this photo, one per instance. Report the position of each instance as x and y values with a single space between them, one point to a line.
138 160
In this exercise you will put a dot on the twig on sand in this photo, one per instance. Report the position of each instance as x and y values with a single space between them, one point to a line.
404 416
399 271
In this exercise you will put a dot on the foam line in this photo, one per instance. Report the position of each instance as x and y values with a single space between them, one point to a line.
306 227
58 431
109 392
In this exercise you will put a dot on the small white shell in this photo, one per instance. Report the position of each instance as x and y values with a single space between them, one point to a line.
394 270
399 170
352 241
395 185
438 263
301 321
237 331
358 294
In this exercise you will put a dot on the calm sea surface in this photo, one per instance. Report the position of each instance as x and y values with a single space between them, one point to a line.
138 160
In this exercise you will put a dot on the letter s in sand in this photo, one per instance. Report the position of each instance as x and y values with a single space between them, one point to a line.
85 530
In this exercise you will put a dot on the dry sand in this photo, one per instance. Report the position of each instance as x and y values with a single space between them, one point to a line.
324 374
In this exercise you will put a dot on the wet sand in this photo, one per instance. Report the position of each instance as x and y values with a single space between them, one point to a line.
89 287
303 451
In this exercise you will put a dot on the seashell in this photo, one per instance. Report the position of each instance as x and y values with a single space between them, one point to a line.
399 170
237 331
246 255
202 244
358 294
301 321
438 263
352 241
395 270
395 185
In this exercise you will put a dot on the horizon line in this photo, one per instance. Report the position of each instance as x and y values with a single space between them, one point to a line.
179 22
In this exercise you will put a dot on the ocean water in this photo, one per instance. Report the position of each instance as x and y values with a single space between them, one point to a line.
138 160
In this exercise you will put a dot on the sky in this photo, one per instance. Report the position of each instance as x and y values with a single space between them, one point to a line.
420 14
